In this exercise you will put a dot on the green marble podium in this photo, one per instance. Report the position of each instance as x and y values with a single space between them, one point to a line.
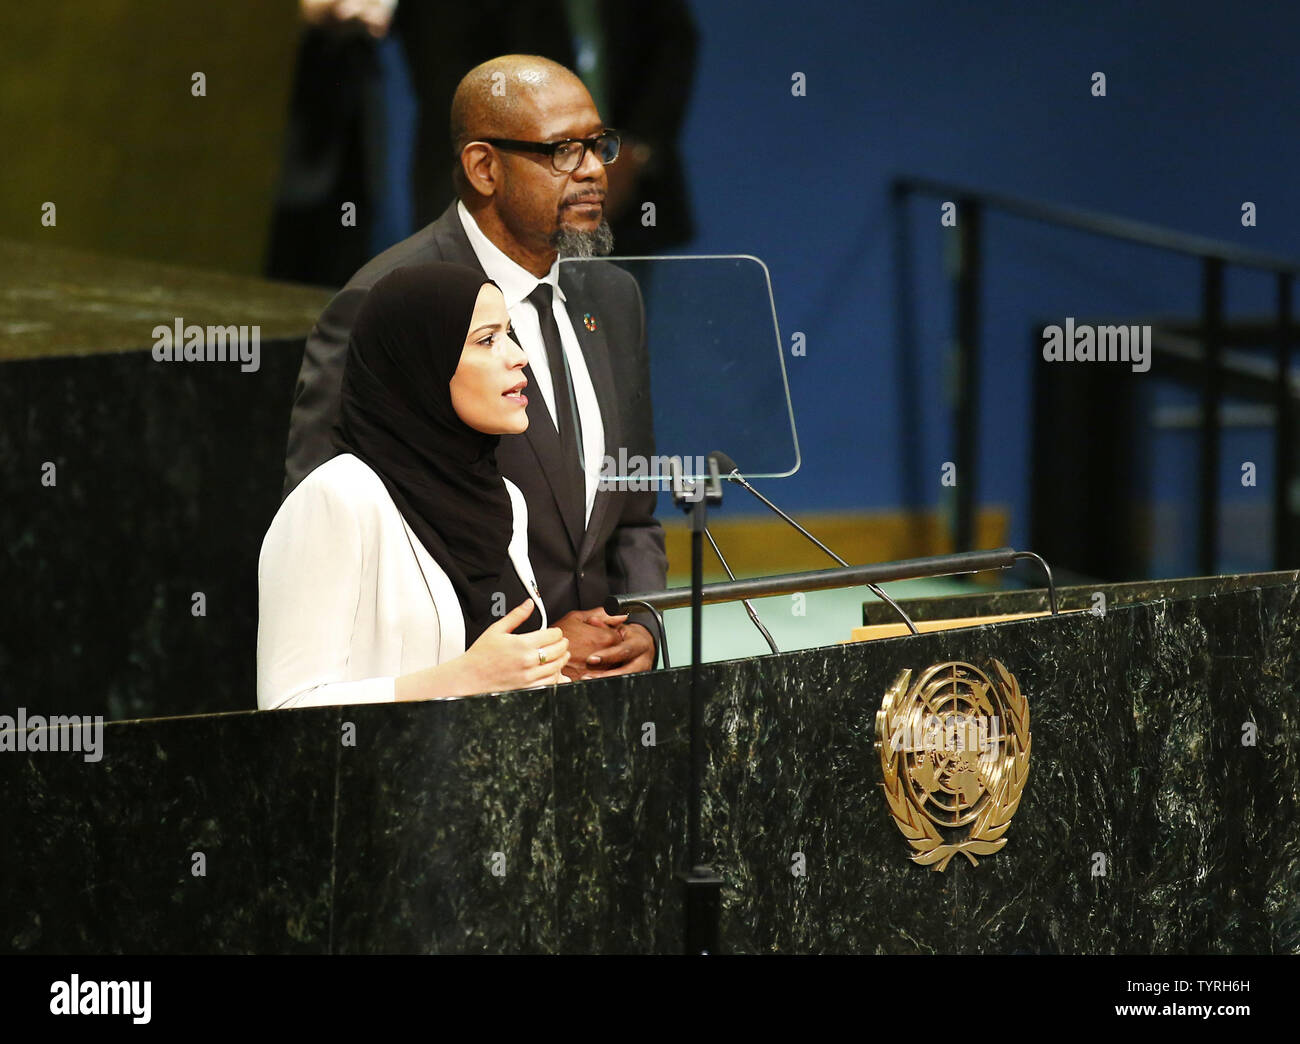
166 475
553 820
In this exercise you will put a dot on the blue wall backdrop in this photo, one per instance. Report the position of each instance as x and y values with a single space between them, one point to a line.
1201 114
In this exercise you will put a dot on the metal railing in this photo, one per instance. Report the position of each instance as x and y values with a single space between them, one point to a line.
1214 256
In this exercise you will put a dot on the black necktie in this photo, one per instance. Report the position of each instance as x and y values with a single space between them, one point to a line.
567 421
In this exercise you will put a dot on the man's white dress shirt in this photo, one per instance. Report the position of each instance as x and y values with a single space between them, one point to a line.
516 284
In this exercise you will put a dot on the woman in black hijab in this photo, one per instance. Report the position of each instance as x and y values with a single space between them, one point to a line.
388 572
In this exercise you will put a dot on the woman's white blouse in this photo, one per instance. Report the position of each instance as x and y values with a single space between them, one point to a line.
348 597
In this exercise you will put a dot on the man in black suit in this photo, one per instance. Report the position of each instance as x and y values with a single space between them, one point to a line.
588 377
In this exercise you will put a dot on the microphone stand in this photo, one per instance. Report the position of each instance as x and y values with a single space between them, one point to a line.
737 477
702 888
749 606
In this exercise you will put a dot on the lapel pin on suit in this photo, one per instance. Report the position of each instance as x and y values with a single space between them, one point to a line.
589 321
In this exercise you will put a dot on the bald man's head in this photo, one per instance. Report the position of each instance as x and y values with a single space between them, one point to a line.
515 194
499 97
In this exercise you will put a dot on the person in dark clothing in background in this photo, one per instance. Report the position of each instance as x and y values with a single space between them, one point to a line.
637 58
334 149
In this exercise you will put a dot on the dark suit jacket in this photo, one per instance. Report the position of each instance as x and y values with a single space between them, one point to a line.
622 547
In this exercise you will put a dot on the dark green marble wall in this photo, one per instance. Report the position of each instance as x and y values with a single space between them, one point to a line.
100 119
313 846
167 477
168 474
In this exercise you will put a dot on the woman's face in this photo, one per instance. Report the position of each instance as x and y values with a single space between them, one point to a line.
487 389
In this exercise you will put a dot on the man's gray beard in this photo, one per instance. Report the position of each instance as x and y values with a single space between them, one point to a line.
572 242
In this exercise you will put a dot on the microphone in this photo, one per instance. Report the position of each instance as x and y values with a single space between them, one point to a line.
728 470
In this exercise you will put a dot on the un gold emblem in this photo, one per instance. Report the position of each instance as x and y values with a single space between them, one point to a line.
954 753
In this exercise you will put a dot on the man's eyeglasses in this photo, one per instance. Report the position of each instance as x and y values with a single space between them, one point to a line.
568 155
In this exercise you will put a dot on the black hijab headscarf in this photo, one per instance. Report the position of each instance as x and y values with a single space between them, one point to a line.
396 415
